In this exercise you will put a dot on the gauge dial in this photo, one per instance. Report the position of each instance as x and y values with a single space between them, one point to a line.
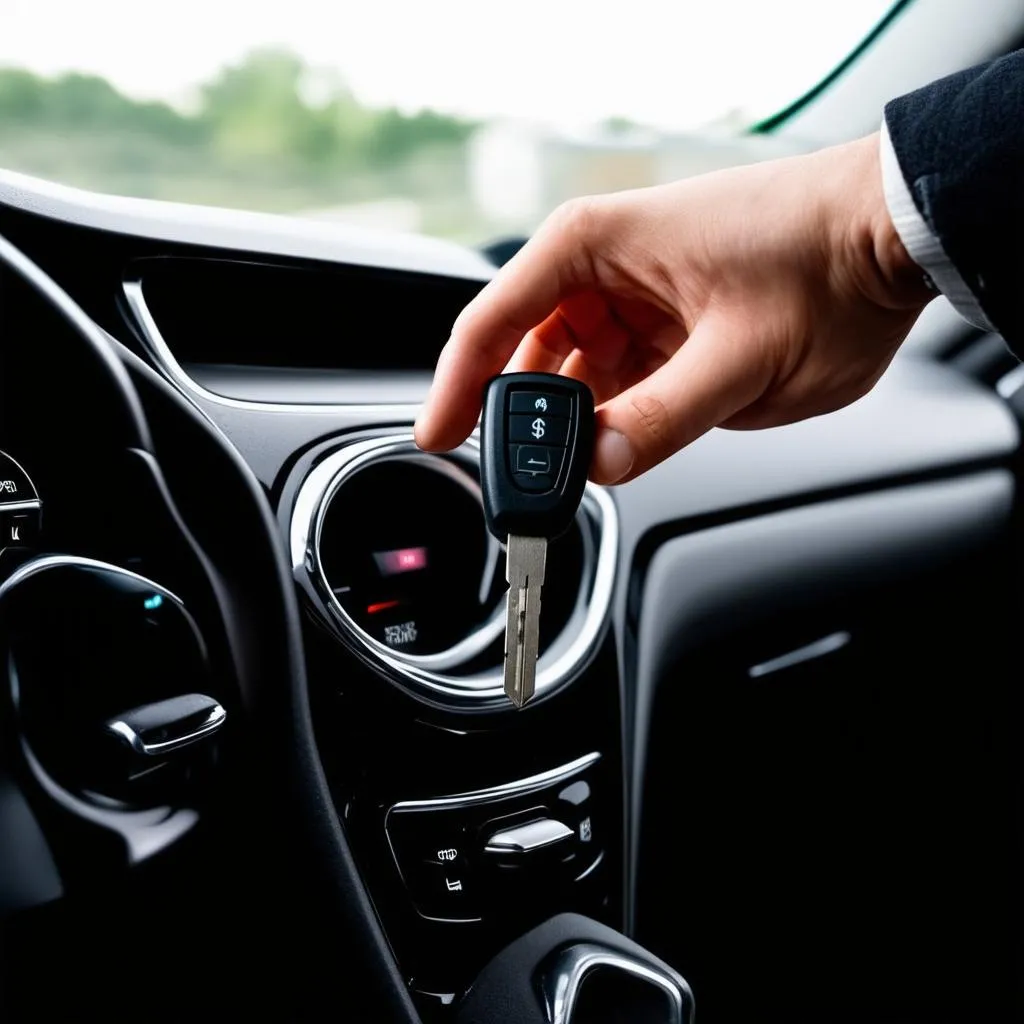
406 552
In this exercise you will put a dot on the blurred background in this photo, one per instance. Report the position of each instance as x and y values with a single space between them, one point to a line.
466 120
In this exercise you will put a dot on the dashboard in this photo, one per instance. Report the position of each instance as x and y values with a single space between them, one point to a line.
755 660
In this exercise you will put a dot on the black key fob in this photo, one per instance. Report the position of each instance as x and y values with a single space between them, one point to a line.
536 443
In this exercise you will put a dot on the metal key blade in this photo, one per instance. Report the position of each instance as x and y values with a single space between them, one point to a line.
525 562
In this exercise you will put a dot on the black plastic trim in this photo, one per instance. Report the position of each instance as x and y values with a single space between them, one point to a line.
702 585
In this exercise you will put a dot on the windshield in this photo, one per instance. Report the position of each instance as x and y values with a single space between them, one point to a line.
459 118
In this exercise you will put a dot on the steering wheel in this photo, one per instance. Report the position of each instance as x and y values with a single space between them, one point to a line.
155 708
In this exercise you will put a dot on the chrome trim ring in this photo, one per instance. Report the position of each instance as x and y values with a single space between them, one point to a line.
44 562
429 677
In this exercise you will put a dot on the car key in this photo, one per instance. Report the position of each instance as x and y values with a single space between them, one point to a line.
536 442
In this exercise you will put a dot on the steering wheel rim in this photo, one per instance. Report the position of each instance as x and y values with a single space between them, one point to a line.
260 612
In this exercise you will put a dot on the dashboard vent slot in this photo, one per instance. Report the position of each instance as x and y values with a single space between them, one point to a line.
243 329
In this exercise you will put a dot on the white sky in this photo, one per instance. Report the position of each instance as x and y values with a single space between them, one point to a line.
673 63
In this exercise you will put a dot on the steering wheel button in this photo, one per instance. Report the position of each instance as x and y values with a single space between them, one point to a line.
14 482
20 529
538 430
543 403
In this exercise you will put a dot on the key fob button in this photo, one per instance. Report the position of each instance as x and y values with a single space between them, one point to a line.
535 459
543 403
538 430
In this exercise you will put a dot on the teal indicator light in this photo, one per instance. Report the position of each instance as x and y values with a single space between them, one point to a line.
153 602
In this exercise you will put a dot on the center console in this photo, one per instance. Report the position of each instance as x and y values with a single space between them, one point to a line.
472 823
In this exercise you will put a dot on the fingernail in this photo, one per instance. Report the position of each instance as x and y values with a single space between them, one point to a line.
613 456
419 428
422 433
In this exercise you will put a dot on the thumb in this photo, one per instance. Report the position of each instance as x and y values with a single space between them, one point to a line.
713 375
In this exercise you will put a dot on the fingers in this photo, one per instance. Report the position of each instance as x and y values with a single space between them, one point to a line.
603 384
709 379
523 294
546 347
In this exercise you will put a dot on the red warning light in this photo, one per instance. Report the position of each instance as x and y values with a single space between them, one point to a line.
390 563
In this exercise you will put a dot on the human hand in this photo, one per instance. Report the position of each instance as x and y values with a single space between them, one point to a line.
746 298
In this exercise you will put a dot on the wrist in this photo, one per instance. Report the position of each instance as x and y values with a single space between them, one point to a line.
887 272
908 281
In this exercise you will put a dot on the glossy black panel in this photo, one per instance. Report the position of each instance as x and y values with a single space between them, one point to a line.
827 755
261 315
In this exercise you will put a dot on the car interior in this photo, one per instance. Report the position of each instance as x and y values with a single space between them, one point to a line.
256 761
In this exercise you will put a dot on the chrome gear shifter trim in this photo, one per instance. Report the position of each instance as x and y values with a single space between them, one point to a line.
562 982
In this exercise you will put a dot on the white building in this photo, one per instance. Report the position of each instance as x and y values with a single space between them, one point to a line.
518 172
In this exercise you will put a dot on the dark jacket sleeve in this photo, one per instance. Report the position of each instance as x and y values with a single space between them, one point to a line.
960 146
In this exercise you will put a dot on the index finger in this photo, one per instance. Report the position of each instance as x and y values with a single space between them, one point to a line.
485 335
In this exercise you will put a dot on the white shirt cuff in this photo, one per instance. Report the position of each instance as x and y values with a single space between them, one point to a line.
922 246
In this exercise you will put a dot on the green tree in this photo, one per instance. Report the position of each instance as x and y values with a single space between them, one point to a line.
22 97
264 134
256 110
75 102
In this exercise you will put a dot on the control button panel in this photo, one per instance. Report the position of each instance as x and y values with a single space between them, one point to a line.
435 864
538 420
20 507
15 486
530 420
465 856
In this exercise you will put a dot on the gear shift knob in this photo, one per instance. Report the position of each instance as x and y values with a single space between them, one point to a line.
574 970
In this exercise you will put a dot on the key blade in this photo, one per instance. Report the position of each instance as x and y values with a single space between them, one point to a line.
527 557
522 635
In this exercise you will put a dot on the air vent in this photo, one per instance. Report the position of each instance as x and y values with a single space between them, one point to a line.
390 546
250 331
